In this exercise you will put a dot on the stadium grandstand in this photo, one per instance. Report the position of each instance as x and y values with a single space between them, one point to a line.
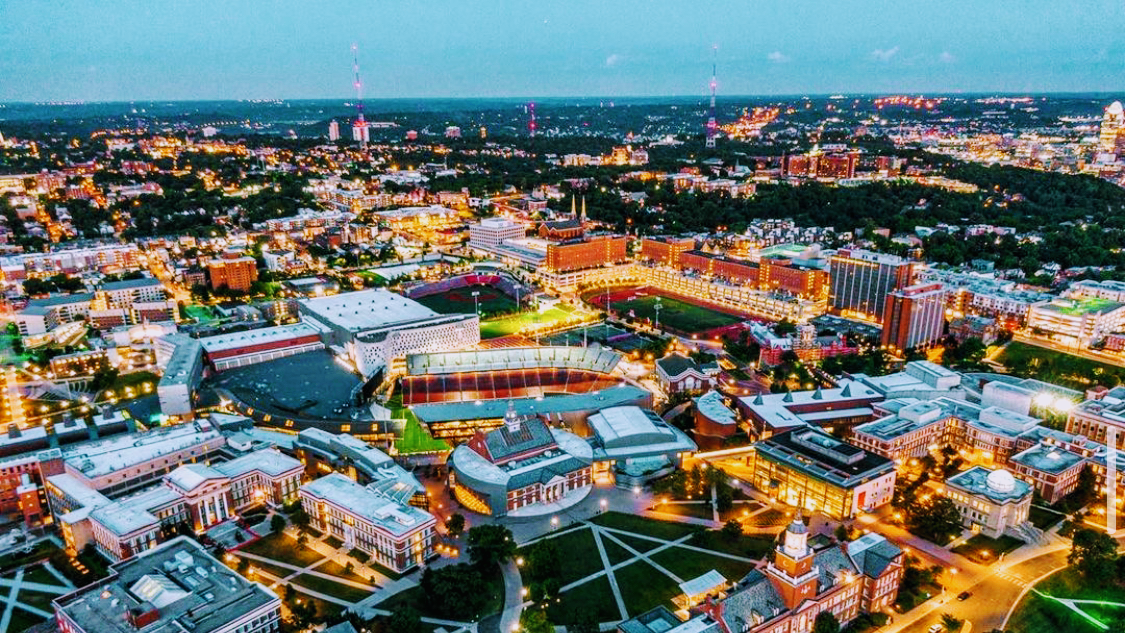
507 373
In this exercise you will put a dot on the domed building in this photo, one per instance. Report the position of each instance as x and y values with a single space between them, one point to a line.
992 502
524 468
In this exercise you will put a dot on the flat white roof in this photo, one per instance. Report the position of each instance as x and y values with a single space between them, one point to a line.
235 340
367 309
94 459
371 506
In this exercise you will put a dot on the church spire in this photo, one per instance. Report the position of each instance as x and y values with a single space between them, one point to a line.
583 210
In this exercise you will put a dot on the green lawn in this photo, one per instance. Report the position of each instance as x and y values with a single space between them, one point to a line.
676 314
284 549
689 564
508 325
639 544
328 587
748 546
1032 361
615 553
200 313
700 510
643 587
22 620
595 597
1044 519
461 300
1035 614
415 437
338 570
641 525
985 550
580 556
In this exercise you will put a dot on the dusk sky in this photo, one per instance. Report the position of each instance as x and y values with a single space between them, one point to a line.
109 50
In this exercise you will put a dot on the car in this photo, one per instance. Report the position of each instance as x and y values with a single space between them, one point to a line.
935 628
964 595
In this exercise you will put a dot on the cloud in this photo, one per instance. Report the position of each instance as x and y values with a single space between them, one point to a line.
946 57
613 60
777 57
881 55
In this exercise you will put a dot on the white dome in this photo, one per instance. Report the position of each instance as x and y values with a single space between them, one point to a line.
1115 108
1001 481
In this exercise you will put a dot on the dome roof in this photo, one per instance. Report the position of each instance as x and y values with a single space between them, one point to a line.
1115 108
1001 481
798 526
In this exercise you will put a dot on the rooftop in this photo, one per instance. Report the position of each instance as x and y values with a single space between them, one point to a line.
101 457
824 457
997 485
191 589
367 310
235 340
711 405
129 284
368 503
1047 458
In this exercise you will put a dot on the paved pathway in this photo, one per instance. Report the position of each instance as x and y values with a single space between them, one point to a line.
513 597
277 580
608 571
309 569
6 618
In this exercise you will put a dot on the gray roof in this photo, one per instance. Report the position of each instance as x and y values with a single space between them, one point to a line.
494 409
754 596
214 597
531 434
130 283
872 553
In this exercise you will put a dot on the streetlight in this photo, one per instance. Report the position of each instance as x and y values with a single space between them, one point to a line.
603 503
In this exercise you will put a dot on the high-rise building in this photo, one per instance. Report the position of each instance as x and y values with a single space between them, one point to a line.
586 252
914 316
862 279
235 274
333 130
360 132
1113 123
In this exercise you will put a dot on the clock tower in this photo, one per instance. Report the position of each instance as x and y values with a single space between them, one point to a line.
792 567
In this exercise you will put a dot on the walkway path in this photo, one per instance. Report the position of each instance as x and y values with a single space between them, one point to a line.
608 571
11 601
513 597
277 580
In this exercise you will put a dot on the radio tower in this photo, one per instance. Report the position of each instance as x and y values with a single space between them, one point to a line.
359 128
531 121
712 124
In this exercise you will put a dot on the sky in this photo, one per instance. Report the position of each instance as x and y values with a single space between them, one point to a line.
122 50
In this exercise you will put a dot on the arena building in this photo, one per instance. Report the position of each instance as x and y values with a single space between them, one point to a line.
227 351
523 468
374 327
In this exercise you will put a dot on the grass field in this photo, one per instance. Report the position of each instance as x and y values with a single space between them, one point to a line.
640 525
508 325
1032 361
282 548
461 300
675 314
594 597
415 437
643 587
200 313
1038 614
984 550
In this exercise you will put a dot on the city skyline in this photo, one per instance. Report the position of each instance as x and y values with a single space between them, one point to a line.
211 51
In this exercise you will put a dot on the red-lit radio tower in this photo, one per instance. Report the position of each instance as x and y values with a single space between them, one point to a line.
359 128
531 121
712 123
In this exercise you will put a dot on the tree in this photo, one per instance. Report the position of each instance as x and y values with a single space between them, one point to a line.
950 623
843 534
491 545
455 591
1093 553
732 529
535 621
935 519
277 524
405 620
1085 491
455 524
825 622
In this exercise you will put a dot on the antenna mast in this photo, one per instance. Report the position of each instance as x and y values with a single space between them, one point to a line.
712 124
531 123
359 128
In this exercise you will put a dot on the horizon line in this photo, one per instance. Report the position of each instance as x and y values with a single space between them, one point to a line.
830 94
